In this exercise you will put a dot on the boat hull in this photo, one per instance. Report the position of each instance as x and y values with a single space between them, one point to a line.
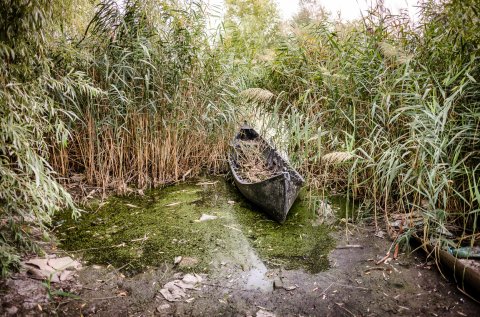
274 195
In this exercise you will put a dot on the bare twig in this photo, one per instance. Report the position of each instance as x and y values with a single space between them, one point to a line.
350 246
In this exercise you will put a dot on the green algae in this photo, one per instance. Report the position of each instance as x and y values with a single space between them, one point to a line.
345 208
296 243
137 232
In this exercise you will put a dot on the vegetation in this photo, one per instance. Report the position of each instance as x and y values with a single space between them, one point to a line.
154 119
140 95
403 98
33 100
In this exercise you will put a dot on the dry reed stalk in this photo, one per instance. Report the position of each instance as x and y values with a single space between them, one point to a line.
144 152
59 158
336 157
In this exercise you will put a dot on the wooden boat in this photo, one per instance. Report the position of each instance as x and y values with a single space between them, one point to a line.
276 194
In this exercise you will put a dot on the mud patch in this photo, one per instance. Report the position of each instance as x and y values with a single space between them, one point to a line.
353 286
248 264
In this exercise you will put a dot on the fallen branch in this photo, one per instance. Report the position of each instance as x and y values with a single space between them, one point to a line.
383 259
232 228
350 246
99 248
388 254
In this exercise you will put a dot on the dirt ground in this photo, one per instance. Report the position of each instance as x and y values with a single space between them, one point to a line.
353 286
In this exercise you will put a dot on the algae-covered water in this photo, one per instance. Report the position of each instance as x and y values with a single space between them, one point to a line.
133 233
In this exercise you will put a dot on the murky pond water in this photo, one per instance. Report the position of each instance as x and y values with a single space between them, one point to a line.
134 233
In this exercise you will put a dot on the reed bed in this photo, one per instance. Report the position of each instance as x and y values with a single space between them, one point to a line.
126 96
159 119
155 155
400 102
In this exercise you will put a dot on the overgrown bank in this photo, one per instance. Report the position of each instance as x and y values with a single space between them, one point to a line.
140 95
125 94
401 101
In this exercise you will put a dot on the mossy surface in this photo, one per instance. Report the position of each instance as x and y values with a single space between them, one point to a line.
136 232
344 209
296 243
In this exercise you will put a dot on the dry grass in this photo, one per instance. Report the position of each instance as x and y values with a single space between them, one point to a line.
145 154
257 94
251 161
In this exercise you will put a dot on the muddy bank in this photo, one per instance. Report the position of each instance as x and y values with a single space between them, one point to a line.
353 286
249 265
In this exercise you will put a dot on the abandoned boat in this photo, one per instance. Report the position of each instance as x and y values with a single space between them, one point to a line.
275 193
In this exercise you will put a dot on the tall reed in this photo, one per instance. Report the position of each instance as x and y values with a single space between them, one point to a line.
159 119
33 98
401 99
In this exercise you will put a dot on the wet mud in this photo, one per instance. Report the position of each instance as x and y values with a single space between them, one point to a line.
250 265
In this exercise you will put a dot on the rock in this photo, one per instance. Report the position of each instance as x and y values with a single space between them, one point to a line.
188 262
264 313
52 268
277 283
172 292
177 260
65 263
206 217
12 310
175 290
40 264
43 275
189 281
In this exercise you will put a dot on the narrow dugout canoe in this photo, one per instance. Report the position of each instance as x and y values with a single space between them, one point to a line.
276 194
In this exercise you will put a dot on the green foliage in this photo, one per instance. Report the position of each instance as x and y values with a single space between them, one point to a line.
31 107
251 29
142 95
9 260
160 82
404 99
